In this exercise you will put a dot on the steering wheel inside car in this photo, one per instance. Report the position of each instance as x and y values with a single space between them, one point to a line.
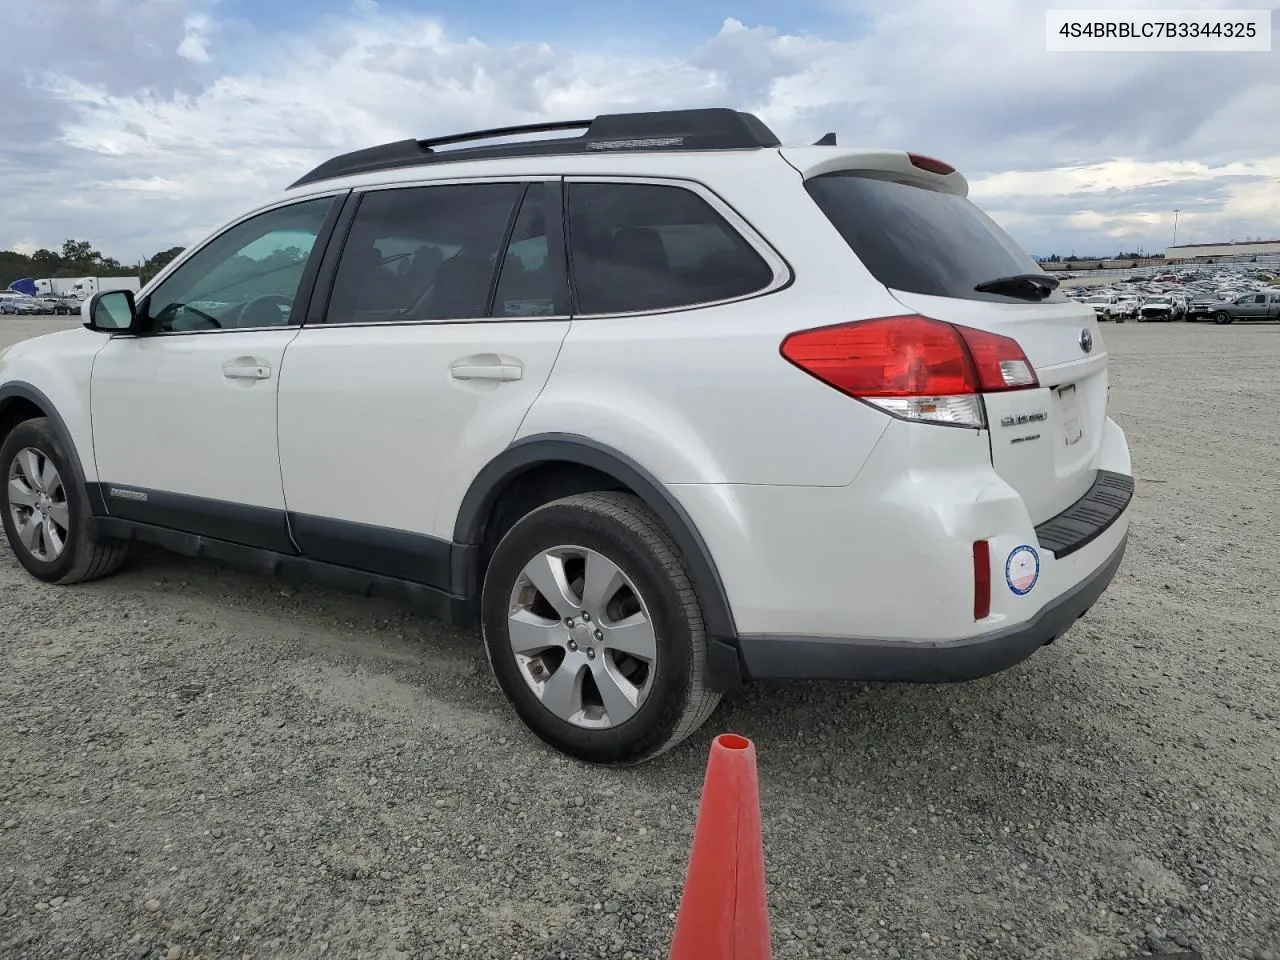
264 311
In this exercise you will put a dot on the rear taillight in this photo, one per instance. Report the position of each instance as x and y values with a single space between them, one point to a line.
912 366
1000 362
981 579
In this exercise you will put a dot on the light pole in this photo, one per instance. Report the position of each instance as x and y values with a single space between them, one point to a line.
1175 227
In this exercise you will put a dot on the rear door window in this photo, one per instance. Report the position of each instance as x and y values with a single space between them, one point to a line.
423 253
642 247
918 240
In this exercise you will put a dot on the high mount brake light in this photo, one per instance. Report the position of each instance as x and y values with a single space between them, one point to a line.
930 164
914 367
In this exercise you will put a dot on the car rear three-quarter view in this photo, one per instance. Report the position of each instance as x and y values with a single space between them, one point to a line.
662 408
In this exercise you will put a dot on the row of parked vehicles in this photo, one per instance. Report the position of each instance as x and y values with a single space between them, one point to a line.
1222 297
19 304
1260 305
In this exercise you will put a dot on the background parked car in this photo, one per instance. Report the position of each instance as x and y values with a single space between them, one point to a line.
1263 305
1106 307
19 306
1128 307
1162 309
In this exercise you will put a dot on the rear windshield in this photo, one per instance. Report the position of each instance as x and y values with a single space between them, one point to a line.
918 240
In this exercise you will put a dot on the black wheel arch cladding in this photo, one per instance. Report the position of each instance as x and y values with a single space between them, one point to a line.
540 449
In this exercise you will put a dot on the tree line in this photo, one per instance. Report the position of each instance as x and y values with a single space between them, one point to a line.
77 258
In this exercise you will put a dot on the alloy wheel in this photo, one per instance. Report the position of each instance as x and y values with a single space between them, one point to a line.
38 505
582 637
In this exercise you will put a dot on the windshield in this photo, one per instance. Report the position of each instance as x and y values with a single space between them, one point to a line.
919 240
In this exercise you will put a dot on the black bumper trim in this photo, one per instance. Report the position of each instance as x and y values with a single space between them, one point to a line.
926 661
1089 517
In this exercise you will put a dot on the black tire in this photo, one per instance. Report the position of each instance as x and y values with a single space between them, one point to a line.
1222 317
625 531
82 558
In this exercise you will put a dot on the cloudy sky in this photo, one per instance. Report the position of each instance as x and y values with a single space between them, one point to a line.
139 124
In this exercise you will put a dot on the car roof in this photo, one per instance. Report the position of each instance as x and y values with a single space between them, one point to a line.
680 144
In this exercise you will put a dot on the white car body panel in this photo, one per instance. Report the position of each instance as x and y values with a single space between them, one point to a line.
60 365
167 417
890 557
381 399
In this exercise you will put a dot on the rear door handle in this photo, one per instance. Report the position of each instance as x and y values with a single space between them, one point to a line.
464 370
246 368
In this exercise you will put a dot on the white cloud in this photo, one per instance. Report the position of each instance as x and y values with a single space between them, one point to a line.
1067 150
195 42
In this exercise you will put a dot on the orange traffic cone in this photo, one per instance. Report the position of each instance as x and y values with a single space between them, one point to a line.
724 913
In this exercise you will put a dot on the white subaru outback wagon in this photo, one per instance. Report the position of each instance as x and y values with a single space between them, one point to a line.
662 407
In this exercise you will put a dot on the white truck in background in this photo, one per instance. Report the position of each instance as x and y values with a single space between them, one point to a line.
82 288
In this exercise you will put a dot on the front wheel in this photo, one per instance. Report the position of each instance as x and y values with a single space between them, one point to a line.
1222 317
46 513
594 631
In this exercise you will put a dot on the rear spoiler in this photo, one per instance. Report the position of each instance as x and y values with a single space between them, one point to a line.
822 157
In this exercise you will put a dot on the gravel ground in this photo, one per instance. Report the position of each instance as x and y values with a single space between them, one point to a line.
195 763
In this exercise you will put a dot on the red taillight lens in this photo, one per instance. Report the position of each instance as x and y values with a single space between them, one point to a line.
930 164
913 367
1000 361
907 356
981 579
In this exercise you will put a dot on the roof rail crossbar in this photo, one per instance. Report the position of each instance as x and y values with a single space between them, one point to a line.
664 130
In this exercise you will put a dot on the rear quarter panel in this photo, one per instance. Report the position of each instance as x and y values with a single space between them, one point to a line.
704 395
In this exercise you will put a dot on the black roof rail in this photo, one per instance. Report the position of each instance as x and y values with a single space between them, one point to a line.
706 129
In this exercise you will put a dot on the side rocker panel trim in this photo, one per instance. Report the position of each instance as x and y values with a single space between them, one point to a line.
529 452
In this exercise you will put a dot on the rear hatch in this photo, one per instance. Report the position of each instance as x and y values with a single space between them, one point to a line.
932 248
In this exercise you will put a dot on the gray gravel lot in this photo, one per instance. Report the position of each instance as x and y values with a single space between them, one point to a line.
195 763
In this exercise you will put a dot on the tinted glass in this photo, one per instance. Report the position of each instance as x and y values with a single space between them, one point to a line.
422 253
528 283
246 277
918 240
649 247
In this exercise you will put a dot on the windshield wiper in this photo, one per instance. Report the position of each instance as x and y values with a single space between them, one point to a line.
1028 286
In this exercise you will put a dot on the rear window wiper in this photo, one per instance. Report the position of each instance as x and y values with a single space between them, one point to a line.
1028 286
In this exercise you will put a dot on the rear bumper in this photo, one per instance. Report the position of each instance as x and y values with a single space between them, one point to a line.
908 661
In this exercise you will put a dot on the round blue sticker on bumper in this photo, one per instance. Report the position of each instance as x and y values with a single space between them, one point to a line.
1022 569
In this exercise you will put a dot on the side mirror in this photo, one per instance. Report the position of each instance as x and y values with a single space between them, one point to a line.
111 311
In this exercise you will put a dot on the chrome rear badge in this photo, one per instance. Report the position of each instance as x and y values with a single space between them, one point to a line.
1022 419
1086 340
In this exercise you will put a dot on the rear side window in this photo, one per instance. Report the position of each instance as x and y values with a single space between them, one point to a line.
639 247
919 240
423 253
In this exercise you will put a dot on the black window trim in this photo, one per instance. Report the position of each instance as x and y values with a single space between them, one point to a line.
783 274
319 306
307 285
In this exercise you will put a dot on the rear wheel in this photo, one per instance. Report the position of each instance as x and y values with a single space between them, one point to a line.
45 512
1222 317
594 631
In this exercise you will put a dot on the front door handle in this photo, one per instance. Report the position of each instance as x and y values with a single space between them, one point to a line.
246 368
471 370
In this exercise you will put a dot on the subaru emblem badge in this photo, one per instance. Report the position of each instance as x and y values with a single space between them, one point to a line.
1086 340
